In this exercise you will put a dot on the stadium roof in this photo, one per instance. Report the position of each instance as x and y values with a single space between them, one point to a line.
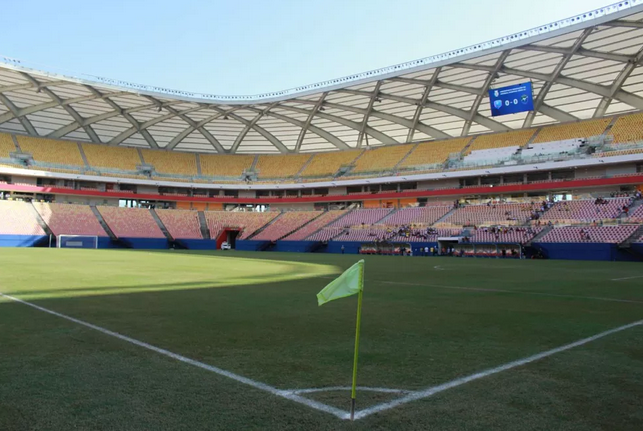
581 67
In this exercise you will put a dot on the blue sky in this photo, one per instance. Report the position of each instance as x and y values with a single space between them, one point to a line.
248 47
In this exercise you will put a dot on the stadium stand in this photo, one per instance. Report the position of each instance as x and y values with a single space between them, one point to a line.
600 234
51 151
381 158
131 222
181 224
419 215
246 222
362 216
281 166
327 164
491 214
581 129
430 153
637 215
307 230
69 219
6 145
514 235
326 234
287 223
490 156
104 156
500 140
363 235
224 165
586 210
173 163
628 128
16 218
569 146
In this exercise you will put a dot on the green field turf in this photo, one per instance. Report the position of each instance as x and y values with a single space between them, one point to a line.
426 321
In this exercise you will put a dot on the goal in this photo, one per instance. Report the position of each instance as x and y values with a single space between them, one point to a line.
77 241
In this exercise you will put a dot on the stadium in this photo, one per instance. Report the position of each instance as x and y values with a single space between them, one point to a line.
161 249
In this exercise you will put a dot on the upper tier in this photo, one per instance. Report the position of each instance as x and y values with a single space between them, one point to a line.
625 133
580 68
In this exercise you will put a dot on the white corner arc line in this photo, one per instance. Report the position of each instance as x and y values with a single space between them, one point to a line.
342 414
348 388
425 393
627 278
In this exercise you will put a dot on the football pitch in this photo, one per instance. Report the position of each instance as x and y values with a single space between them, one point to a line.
169 340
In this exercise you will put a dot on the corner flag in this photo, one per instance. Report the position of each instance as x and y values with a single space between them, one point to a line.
347 284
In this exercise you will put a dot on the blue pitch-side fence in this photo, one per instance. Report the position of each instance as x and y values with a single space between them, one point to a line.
21 240
573 251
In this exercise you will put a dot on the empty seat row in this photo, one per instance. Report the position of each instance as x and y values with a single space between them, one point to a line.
490 214
285 224
181 224
6 145
307 230
419 215
70 219
17 218
585 210
362 216
381 159
590 234
131 222
247 223
430 153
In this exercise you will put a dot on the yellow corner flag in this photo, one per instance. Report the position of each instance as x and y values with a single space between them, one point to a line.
347 284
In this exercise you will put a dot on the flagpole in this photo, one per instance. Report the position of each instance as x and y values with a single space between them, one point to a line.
357 330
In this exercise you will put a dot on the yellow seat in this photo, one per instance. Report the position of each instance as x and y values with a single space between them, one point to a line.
171 162
281 166
104 156
6 145
581 129
327 164
628 128
51 151
429 153
381 158
224 165
500 140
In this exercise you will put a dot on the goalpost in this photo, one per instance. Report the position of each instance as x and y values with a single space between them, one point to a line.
77 241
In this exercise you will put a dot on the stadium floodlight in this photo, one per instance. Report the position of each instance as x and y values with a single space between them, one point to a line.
77 241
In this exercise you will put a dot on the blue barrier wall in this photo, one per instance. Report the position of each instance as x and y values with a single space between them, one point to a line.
21 240
249 245
637 247
580 251
147 243
295 246
199 244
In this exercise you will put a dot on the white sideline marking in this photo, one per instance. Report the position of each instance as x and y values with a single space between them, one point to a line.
290 395
627 278
417 395
293 395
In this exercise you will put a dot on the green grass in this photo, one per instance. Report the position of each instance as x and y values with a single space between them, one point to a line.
255 314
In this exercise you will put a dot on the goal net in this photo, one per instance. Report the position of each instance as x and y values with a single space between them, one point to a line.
77 241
